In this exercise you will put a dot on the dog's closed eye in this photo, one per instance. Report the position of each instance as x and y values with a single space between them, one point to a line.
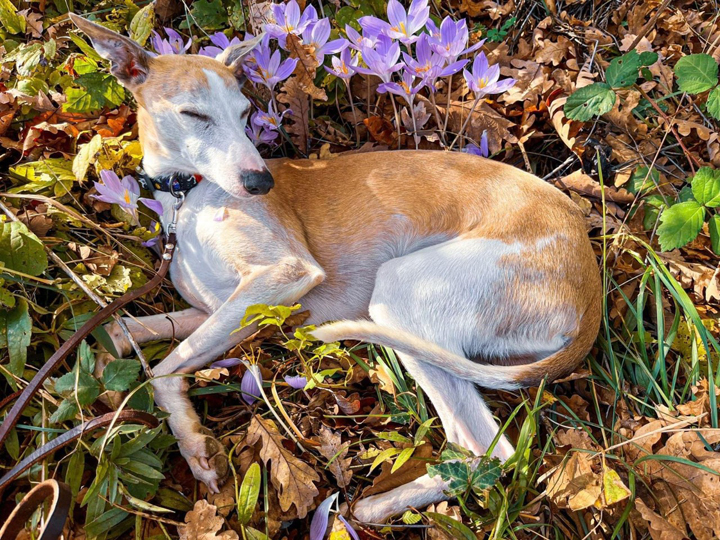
196 116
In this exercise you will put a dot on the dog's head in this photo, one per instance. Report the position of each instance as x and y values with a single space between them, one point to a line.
192 112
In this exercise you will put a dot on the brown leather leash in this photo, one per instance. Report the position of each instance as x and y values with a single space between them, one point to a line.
60 492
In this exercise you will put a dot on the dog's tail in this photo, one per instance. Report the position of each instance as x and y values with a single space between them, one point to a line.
504 377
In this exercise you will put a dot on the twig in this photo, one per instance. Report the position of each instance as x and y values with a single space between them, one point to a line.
692 159
649 26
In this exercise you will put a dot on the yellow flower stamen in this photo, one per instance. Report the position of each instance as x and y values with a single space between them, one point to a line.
127 196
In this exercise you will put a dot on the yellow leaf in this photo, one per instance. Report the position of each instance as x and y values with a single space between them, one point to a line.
614 490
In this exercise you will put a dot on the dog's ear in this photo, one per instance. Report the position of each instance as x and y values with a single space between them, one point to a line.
130 62
234 55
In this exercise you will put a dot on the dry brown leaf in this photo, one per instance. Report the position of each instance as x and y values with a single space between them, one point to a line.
335 452
294 479
306 67
414 468
203 523
298 101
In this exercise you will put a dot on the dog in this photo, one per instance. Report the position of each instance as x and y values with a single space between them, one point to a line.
475 272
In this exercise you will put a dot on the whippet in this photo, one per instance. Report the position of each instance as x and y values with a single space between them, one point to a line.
474 271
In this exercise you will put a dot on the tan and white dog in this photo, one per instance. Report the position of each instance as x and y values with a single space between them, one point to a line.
473 271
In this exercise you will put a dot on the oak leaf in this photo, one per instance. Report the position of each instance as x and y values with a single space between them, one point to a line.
292 477
332 448
203 523
297 100
306 67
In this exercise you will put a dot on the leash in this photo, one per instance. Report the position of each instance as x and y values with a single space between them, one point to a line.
58 491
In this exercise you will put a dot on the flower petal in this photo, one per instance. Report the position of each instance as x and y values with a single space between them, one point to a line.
298 382
153 204
226 363
319 523
249 389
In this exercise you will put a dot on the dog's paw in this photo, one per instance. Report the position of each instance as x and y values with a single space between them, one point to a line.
207 458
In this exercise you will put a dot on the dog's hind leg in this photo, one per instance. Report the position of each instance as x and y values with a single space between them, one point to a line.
281 284
176 325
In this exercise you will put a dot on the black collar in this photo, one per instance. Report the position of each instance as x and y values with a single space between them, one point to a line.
170 183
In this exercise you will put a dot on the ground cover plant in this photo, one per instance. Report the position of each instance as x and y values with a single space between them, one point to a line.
615 103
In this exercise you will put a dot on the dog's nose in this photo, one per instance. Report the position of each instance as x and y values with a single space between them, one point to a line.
257 182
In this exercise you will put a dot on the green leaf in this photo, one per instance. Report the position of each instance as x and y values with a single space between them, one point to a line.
593 100
119 374
384 456
411 518
249 491
21 250
254 534
713 103
648 58
13 23
142 24
706 187
15 332
98 90
486 474
12 444
65 411
680 224
82 385
402 458
696 73
106 521
714 227
643 179
75 470
623 71
451 526
209 14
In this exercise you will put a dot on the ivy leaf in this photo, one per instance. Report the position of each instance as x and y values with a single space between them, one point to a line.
119 374
462 476
593 100
706 187
87 388
623 71
696 73
142 24
15 332
714 227
713 103
13 23
21 250
680 224
98 90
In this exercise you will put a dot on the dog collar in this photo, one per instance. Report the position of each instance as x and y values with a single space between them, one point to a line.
169 183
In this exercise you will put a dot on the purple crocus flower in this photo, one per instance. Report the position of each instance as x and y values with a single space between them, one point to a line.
430 65
404 89
298 382
154 226
343 66
319 522
172 45
271 119
258 133
484 78
404 25
288 20
267 68
383 60
317 36
358 40
125 193
249 387
482 150
220 43
451 39
226 363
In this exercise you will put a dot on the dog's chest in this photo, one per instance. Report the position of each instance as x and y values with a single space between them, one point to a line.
218 244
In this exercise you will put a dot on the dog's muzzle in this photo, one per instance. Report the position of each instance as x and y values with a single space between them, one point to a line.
257 182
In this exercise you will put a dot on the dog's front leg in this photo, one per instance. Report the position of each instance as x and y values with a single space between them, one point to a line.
283 283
